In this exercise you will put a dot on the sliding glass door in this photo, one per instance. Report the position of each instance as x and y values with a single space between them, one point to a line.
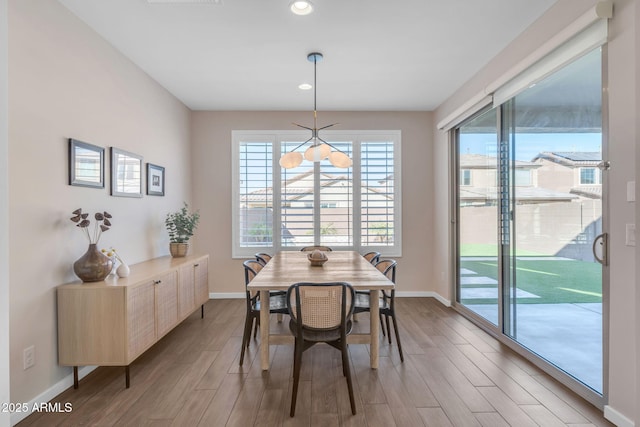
526 234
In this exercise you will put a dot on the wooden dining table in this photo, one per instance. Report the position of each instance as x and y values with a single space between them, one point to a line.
289 267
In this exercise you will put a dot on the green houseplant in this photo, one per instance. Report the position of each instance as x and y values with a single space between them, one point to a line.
181 225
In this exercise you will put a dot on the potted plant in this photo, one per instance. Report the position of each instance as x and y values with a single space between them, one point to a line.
181 225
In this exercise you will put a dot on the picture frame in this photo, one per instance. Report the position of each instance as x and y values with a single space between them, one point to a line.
126 173
86 164
155 180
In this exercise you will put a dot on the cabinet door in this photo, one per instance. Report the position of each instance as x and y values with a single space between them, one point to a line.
166 303
201 272
186 290
141 318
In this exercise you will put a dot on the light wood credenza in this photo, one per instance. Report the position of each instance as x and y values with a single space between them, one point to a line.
112 322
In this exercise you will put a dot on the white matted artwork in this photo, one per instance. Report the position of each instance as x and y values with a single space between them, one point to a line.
155 180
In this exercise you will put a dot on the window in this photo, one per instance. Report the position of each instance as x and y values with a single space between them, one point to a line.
589 176
523 177
315 203
465 177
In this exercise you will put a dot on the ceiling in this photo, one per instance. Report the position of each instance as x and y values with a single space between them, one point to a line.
379 55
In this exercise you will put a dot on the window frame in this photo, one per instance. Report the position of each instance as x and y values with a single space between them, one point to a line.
275 138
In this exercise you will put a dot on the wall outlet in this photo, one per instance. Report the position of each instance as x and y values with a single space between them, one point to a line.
29 357
630 238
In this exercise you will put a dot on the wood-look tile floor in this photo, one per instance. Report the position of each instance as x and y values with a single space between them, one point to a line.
454 374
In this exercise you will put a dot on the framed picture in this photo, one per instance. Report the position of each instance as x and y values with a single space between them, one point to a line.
126 173
86 164
155 180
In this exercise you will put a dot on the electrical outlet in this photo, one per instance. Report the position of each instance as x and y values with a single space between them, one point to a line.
29 357
630 238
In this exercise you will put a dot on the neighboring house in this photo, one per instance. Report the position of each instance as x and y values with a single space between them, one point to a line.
336 202
572 172
478 179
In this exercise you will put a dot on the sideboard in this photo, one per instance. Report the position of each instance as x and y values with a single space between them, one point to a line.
112 322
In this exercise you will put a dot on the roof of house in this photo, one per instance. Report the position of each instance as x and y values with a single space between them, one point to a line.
523 194
481 161
300 185
571 158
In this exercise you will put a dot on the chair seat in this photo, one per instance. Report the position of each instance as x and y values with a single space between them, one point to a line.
361 303
277 304
318 335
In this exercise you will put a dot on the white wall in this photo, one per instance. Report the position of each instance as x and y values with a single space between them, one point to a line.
211 132
65 81
623 329
4 222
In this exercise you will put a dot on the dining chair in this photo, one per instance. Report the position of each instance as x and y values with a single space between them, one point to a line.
373 257
277 304
316 248
386 302
320 313
263 258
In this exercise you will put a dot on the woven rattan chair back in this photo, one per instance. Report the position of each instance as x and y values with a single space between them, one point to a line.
251 269
263 258
316 248
320 306
388 268
372 257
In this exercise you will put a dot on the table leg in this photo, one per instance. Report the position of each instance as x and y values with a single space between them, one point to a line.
374 312
264 330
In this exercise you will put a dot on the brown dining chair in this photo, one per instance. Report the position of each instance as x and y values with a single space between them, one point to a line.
316 248
263 258
277 304
386 302
373 257
320 313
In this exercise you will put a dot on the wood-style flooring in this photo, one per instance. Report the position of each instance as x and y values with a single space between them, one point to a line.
454 374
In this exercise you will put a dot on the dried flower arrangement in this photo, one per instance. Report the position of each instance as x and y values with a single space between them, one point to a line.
102 224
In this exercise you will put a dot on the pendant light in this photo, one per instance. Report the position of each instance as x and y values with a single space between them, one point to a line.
319 149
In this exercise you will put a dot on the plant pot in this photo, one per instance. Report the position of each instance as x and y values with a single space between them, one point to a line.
178 250
93 266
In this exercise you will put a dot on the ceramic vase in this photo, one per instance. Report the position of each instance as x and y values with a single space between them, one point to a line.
93 266
123 270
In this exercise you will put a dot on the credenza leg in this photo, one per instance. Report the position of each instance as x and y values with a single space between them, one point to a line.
75 377
202 311
126 376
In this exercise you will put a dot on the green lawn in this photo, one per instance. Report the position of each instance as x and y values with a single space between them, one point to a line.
477 249
554 281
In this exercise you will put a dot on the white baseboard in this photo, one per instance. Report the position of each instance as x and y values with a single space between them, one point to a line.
442 300
51 393
617 418
227 295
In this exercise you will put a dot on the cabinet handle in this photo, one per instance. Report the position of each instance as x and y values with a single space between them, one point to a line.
157 282
195 265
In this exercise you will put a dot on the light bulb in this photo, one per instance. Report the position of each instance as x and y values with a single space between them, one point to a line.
301 7
291 160
340 160
315 153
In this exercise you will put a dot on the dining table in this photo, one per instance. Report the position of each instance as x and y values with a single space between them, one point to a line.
289 267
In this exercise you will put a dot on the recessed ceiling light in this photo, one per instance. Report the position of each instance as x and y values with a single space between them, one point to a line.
305 86
300 7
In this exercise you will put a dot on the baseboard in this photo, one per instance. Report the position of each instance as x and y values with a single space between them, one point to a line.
51 393
442 300
617 418
227 295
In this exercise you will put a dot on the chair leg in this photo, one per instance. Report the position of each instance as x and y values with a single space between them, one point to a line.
384 333
395 328
345 367
255 329
386 318
245 336
297 361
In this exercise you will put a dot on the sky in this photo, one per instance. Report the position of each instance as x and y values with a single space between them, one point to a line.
529 145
